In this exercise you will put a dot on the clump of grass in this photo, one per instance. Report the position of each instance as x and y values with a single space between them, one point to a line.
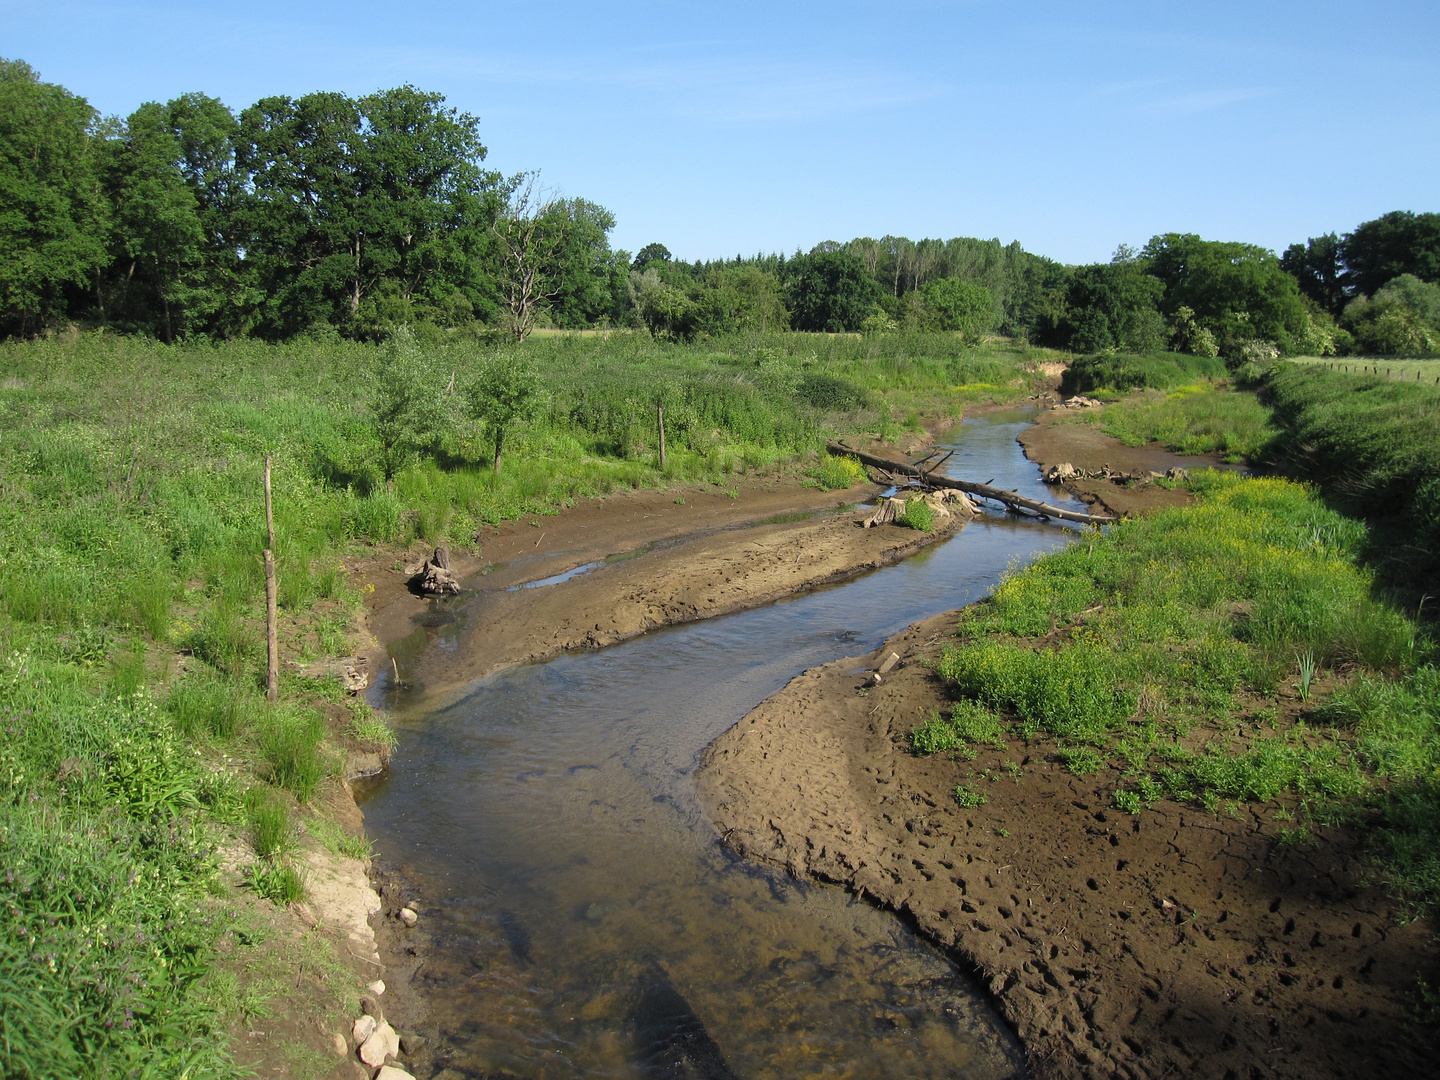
289 739
337 840
367 726
205 705
1306 663
277 882
1081 761
918 515
968 723
271 831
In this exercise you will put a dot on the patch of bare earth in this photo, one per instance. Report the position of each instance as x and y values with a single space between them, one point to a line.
660 558
1169 943
1057 437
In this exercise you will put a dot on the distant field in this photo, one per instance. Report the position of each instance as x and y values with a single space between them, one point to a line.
1398 369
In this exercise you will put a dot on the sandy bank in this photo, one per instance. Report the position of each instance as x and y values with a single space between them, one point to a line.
651 559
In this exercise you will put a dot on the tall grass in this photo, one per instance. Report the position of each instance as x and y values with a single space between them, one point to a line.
1124 371
1139 650
1374 445
1193 419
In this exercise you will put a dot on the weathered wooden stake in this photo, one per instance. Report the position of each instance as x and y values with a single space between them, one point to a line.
269 514
660 422
272 636
272 630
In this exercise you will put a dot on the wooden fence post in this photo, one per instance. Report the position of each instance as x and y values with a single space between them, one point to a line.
272 632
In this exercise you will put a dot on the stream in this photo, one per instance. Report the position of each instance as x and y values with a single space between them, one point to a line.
583 919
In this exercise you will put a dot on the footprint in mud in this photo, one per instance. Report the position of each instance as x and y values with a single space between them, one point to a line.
580 768
531 775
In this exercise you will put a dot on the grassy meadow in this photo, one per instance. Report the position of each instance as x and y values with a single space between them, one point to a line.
138 741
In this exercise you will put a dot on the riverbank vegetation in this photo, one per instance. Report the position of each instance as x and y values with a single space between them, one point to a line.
147 788
1230 653
1368 438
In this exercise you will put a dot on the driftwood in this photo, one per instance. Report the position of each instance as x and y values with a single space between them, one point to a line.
1065 471
436 577
943 504
985 491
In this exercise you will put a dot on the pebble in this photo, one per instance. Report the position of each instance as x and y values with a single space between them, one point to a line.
377 987
370 1007
341 1047
362 1029
390 1072
408 916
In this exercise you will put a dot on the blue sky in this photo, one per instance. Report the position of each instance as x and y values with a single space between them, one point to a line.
741 127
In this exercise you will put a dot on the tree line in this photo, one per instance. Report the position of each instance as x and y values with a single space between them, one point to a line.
330 214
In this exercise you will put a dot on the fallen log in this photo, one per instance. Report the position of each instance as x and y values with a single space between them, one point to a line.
985 491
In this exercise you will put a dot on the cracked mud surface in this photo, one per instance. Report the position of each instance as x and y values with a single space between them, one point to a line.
1170 943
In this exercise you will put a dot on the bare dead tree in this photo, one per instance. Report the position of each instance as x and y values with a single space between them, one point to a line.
529 242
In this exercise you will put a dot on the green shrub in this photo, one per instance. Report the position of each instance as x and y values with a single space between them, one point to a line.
917 515
830 393
836 472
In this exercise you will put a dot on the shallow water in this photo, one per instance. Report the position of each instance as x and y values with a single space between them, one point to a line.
587 922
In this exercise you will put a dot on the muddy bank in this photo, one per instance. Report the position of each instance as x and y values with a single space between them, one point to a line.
1174 942
1058 436
1169 943
638 561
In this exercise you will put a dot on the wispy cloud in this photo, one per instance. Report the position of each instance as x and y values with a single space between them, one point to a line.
695 81
1202 101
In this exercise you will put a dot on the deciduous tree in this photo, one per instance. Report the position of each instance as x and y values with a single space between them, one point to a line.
1400 242
829 292
53 216
502 392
